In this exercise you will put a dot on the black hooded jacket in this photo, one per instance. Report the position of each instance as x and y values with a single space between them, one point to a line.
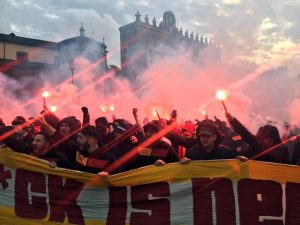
279 153
218 152
296 154
68 146
159 150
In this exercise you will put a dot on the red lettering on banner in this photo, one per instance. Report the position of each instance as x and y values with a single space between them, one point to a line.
4 175
292 204
36 207
117 206
159 209
63 200
259 198
202 201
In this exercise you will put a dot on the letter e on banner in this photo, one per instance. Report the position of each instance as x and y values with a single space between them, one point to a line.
260 198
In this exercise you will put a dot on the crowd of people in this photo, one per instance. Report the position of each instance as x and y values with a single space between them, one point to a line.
104 147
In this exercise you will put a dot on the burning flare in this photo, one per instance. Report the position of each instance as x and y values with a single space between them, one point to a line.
221 95
112 108
53 108
45 94
103 108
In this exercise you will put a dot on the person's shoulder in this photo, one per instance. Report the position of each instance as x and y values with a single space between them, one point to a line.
196 147
226 151
222 147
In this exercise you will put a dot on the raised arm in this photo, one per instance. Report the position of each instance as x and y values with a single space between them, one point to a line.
86 116
242 130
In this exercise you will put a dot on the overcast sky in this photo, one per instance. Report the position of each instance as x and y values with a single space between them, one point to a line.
251 32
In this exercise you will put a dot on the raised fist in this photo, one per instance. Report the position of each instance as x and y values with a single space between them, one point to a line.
85 110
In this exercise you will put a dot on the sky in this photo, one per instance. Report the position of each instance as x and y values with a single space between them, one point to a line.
251 32
254 35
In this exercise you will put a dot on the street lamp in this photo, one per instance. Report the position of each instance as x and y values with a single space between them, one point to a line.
72 67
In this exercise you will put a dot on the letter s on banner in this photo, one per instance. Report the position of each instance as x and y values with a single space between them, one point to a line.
160 206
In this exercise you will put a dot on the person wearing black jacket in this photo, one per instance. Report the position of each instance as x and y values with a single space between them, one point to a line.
43 149
183 140
159 152
91 158
265 146
295 159
11 141
208 147
105 131
65 138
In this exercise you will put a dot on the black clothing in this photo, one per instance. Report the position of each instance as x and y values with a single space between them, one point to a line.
296 154
59 158
219 152
17 144
279 154
107 139
235 142
68 146
94 162
179 140
159 150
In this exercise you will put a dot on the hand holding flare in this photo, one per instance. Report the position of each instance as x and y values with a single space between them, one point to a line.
45 95
112 109
221 95
205 114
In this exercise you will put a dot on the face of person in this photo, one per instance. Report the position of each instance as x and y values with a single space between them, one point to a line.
207 139
266 142
103 130
186 133
83 141
150 132
19 130
30 128
64 129
40 145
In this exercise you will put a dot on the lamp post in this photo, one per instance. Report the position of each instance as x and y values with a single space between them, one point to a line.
72 68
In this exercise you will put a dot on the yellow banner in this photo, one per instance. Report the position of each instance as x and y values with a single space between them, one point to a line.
226 192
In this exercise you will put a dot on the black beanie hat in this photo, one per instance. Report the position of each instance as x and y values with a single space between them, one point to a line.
152 126
19 120
73 123
101 121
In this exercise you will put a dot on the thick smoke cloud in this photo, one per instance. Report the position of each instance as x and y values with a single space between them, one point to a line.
252 34
172 82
